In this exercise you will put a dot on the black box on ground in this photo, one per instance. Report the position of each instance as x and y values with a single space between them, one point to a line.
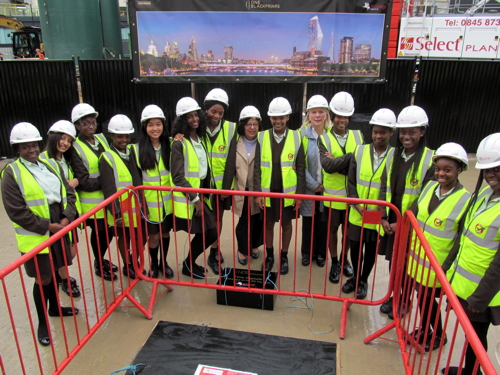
247 299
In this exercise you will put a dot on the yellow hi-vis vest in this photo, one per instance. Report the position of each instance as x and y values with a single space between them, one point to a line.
159 176
478 246
335 183
123 178
288 159
368 182
70 176
439 228
218 151
183 207
36 201
413 186
89 200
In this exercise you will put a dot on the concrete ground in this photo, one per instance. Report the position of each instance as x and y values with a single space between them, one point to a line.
124 333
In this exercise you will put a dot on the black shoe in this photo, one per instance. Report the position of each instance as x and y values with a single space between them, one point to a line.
154 272
386 307
320 261
269 264
348 271
106 263
453 370
130 273
305 260
106 275
243 261
436 344
213 264
284 263
362 290
169 272
72 290
335 273
402 312
256 255
43 336
349 286
419 336
65 311
196 272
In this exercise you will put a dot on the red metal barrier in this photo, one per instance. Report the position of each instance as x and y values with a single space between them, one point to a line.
413 324
297 283
20 351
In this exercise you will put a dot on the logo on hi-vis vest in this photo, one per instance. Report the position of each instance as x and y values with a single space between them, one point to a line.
414 182
290 156
222 148
479 229
438 222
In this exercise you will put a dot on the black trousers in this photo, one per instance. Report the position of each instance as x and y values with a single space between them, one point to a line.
367 260
319 234
256 229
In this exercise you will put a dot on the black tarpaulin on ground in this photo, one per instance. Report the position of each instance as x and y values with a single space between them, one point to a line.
175 348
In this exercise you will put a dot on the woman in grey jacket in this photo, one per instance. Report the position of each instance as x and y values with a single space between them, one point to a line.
316 122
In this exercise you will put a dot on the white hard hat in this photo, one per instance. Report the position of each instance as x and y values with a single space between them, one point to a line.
384 117
24 132
317 101
120 124
412 117
63 126
82 110
186 105
250 112
279 107
454 151
152 111
218 95
488 152
342 104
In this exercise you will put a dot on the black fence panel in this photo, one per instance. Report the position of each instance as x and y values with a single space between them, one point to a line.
461 100
39 92
258 95
107 85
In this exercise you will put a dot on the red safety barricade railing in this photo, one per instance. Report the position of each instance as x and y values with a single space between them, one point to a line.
310 282
434 332
20 351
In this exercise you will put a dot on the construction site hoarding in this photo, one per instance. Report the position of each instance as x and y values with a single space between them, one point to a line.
450 37
259 41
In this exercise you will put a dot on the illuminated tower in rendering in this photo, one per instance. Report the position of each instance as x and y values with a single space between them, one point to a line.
346 49
167 48
192 51
330 49
315 35
152 50
228 52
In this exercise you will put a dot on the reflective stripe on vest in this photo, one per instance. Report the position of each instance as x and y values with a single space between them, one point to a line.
159 176
439 228
35 199
91 161
287 161
412 186
368 183
335 184
478 248
123 178
182 209
218 151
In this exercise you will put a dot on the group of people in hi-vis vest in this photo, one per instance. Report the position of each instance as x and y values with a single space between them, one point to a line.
44 191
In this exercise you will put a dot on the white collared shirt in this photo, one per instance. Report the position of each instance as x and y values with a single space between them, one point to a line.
442 196
377 160
487 203
49 182
279 138
216 130
406 158
202 158
342 139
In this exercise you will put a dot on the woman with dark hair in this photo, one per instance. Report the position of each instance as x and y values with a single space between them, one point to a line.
190 168
61 137
410 169
40 203
218 136
474 265
239 172
152 156
439 209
